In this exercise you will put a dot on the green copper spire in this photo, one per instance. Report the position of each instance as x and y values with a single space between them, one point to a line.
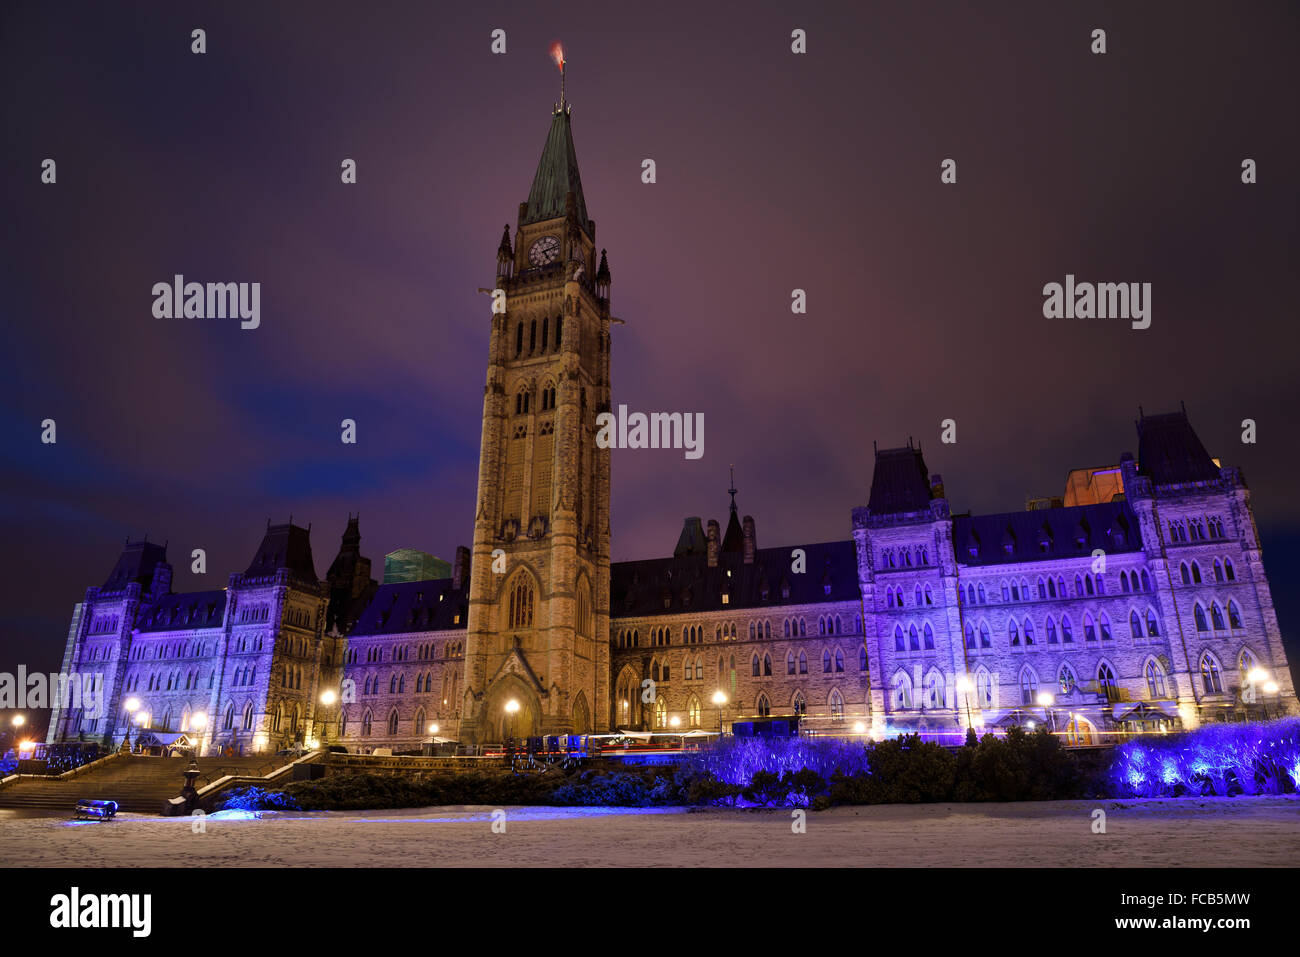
557 175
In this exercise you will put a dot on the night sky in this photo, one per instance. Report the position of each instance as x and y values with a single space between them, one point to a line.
775 172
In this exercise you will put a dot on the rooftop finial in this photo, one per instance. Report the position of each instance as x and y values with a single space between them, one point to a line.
732 490
557 54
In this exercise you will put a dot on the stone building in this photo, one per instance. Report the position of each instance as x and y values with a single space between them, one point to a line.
1137 600
250 659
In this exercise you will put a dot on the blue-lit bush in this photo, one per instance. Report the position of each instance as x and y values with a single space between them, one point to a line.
256 799
819 772
735 760
1218 759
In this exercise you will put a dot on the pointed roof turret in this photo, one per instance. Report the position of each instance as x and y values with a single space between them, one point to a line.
505 251
734 539
900 482
136 564
284 546
556 177
1170 452
602 273
692 540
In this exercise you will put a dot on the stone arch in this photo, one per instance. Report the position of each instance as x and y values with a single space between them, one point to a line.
522 575
584 621
581 714
498 723
626 705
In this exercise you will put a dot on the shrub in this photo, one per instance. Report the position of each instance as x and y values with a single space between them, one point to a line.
256 799
1217 759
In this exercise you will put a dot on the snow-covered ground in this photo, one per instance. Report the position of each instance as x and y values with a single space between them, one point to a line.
1262 831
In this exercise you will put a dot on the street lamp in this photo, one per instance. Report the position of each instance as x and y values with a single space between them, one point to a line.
129 709
433 729
327 699
1256 678
512 708
198 721
719 699
18 721
965 686
1046 699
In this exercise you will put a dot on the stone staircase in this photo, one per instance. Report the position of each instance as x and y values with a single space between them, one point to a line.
138 783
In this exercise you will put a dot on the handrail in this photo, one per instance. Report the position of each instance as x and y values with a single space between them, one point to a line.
64 775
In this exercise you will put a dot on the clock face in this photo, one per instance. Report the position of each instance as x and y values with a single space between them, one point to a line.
546 250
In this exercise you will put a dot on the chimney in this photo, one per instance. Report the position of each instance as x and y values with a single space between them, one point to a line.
751 545
460 568
936 486
714 542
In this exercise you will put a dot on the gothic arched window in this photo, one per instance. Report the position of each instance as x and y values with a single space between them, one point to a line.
1210 677
521 604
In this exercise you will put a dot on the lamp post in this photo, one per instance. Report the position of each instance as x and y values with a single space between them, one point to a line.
1046 699
198 722
719 699
1270 688
965 687
512 707
18 721
129 708
327 699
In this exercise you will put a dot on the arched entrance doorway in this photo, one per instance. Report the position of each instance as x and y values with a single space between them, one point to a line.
500 722
627 700
581 715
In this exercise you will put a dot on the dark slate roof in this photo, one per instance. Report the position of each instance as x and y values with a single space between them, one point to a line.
1170 452
557 174
196 609
349 551
1009 537
692 540
688 584
414 606
899 483
283 546
733 540
136 564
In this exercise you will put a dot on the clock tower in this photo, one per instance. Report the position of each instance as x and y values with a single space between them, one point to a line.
537 648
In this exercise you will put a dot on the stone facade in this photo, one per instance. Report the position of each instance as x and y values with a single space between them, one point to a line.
538 627
1136 601
251 658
